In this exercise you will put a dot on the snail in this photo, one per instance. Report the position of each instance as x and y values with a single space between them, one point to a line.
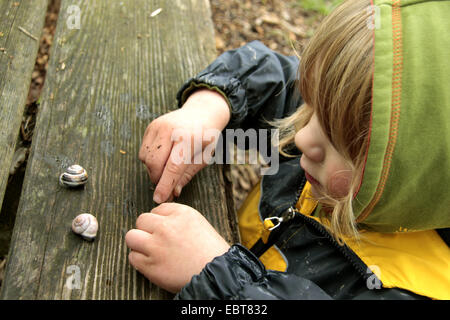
85 225
74 176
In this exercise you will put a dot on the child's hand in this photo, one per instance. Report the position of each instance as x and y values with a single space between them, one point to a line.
171 244
160 152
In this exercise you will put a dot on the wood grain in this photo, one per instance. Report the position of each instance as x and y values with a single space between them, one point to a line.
18 53
106 82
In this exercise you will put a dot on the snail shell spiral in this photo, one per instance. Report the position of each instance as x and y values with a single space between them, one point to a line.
74 176
85 225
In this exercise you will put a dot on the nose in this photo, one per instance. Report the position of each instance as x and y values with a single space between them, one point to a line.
305 141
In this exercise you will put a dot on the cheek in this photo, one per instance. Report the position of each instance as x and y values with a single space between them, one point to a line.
338 183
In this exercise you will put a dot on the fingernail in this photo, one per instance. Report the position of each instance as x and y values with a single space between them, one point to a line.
157 198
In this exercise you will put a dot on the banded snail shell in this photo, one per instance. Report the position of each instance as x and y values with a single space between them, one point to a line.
74 176
85 225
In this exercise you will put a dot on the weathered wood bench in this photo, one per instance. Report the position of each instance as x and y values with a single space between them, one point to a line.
105 82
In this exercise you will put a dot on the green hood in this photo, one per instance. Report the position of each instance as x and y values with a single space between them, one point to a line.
406 182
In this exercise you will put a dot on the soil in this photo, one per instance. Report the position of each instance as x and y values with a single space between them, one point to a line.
282 25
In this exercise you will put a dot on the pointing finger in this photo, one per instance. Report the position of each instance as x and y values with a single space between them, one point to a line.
177 163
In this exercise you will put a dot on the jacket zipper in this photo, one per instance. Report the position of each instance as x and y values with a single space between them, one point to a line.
287 215
364 272
291 214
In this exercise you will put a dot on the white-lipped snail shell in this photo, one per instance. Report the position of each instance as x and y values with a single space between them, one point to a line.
74 176
85 225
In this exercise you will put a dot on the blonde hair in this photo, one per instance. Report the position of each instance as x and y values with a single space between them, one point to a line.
336 83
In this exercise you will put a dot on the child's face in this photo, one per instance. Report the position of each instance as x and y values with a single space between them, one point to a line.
325 168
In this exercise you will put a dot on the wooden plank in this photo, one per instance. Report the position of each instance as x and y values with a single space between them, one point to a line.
21 25
106 82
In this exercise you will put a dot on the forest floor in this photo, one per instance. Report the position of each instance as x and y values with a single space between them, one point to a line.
282 25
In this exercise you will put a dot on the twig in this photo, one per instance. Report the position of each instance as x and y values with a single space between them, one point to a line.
28 34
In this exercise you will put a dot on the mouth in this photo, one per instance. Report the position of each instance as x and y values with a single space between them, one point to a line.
311 179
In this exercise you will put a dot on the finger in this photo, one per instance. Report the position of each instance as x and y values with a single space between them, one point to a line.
148 222
171 197
148 172
146 145
177 190
186 177
157 156
147 141
139 240
167 208
139 261
173 171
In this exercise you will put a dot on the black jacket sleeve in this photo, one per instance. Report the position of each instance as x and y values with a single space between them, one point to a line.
258 83
239 275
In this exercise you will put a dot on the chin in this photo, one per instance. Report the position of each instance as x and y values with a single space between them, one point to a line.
314 192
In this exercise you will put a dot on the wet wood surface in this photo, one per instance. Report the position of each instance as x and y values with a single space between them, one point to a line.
106 81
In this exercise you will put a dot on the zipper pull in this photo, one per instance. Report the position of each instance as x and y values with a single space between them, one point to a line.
271 223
